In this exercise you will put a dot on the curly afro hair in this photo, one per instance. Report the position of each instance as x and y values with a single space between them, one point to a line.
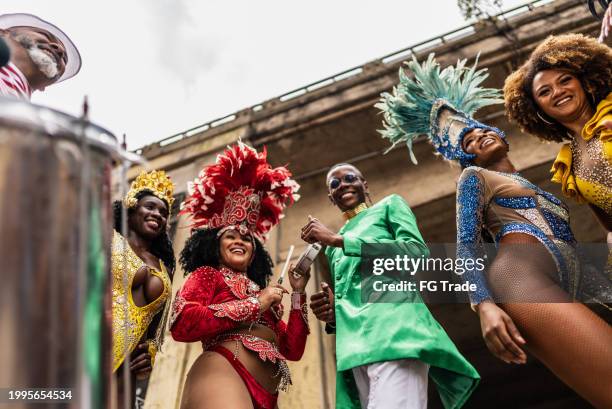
581 56
202 249
161 247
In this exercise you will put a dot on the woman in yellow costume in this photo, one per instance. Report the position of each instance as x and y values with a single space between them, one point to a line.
142 264
564 93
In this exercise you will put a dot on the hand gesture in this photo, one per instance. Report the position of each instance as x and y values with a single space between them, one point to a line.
315 231
271 295
606 24
140 363
298 281
322 304
500 334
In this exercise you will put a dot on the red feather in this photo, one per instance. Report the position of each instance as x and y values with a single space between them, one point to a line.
240 186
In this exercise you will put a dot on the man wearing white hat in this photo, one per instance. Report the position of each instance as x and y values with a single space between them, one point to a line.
41 55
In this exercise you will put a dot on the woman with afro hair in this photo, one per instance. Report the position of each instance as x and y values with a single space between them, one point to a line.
563 93
226 302
142 266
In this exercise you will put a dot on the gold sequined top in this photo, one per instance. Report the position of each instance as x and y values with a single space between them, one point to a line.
131 322
585 169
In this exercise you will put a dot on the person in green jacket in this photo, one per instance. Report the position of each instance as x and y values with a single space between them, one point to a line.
385 351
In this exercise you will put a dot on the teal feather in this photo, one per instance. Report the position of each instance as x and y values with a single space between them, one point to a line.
406 110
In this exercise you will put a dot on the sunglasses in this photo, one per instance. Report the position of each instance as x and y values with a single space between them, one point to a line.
349 178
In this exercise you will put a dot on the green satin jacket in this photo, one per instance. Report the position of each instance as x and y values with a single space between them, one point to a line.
375 332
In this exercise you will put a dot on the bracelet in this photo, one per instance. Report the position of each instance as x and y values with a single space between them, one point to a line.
297 300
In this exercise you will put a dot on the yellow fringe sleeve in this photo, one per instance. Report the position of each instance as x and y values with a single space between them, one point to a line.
562 173
596 127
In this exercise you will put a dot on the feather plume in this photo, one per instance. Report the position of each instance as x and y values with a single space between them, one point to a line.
241 188
407 110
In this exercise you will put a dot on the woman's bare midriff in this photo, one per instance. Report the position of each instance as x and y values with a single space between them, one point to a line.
262 371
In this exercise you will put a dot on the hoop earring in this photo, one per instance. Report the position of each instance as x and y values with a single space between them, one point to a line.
543 120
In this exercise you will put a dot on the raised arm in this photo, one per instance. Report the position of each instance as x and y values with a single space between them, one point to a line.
292 336
470 210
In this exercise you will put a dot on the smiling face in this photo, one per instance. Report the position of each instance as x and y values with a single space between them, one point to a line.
347 187
45 51
149 218
559 95
487 145
235 250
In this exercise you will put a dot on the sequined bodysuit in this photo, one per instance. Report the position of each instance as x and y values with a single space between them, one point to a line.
585 169
504 203
131 322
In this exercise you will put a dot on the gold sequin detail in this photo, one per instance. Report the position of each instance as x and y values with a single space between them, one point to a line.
590 164
131 322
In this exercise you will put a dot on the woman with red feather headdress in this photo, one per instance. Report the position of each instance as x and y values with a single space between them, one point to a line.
226 302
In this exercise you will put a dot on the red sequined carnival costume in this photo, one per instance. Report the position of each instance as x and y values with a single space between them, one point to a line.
240 191
212 303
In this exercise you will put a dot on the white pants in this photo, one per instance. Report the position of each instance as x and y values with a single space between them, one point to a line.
400 384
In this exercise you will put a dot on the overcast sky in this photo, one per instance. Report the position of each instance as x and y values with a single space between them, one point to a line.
153 68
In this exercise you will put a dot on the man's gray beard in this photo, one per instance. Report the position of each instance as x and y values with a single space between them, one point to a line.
43 61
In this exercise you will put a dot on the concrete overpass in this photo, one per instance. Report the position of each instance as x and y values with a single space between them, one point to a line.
333 120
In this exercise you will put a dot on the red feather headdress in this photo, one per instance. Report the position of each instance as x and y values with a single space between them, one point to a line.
240 190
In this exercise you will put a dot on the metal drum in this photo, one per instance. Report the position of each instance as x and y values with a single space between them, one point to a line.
55 234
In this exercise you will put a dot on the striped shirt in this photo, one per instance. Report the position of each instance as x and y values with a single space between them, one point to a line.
13 83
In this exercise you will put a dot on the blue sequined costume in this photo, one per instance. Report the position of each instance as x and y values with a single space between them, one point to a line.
505 203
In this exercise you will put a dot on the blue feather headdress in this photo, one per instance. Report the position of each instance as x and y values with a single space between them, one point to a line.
438 103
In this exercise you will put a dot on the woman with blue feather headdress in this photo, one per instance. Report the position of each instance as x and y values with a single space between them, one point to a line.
534 277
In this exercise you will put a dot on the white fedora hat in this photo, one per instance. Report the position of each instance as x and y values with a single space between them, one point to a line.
73 64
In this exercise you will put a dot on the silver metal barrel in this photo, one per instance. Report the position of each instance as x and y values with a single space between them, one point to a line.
55 230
